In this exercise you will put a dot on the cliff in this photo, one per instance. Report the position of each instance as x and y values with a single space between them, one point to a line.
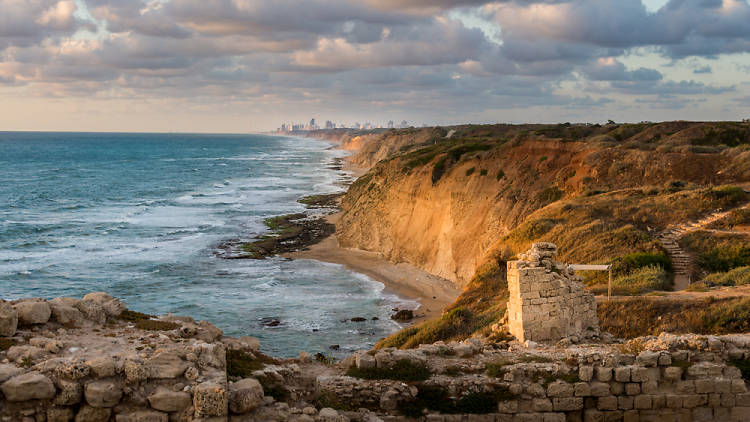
446 200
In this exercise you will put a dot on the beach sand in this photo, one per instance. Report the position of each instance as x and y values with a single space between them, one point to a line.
404 280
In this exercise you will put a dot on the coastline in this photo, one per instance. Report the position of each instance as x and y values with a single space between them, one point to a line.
433 293
404 280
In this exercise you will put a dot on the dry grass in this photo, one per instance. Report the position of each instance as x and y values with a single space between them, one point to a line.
640 317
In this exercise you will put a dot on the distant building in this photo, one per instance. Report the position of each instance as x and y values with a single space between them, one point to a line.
390 124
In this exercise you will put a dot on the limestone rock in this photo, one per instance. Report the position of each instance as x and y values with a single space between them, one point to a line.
8 371
210 399
135 371
93 414
245 395
63 312
143 416
32 312
102 367
252 343
103 394
59 414
70 393
208 332
17 353
112 307
364 360
92 311
8 319
166 365
30 386
169 401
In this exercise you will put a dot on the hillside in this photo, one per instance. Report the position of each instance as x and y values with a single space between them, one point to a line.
460 201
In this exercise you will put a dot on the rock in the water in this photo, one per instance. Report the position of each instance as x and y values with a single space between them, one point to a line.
403 315
358 319
32 312
103 394
169 401
31 386
8 319
245 395
112 306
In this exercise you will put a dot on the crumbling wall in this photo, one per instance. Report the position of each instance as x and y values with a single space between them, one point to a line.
547 303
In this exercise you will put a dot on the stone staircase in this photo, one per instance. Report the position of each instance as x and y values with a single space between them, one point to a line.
681 261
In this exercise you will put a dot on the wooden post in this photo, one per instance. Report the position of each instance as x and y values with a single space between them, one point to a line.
609 285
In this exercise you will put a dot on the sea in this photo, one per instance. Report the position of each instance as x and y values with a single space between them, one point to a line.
140 216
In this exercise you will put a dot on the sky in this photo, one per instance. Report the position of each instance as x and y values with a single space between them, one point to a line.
250 65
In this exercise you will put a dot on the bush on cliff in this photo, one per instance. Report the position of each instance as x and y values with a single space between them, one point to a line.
736 277
402 370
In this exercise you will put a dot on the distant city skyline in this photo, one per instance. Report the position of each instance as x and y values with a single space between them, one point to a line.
249 65
312 125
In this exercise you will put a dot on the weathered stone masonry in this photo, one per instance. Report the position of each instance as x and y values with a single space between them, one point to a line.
547 303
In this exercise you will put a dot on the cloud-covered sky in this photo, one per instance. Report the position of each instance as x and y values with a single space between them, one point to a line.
246 65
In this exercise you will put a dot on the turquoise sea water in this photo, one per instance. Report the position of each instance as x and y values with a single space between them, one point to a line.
140 215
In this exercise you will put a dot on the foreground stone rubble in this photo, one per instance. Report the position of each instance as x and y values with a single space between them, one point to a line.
78 360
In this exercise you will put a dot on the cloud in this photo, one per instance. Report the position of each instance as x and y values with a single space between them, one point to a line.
28 22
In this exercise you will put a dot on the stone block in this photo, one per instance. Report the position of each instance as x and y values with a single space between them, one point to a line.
622 374
29 386
642 401
599 389
673 373
632 388
607 403
567 404
603 374
703 414
541 405
585 373
102 394
740 414
691 401
624 402
560 389
210 399
703 386
8 319
167 400
581 389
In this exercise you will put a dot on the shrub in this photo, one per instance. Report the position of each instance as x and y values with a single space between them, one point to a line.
736 277
744 366
133 316
500 174
550 194
436 398
725 259
726 195
241 364
470 171
438 170
483 172
402 370
153 325
637 260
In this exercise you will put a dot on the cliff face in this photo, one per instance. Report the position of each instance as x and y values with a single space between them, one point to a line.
444 204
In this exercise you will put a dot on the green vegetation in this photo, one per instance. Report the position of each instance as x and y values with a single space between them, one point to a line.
500 174
725 133
402 370
457 152
744 366
550 194
6 343
470 171
154 325
641 281
133 316
329 399
436 398
736 277
717 252
483 172
320 200
637 260
738 217
438 170
241 364
641 316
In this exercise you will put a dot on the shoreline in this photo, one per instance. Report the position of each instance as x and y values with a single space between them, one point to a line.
404 280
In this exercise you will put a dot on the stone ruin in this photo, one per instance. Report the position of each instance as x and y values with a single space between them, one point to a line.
547 302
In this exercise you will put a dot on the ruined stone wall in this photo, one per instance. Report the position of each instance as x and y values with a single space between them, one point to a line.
547 303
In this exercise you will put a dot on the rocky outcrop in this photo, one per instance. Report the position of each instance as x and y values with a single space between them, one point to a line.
133 368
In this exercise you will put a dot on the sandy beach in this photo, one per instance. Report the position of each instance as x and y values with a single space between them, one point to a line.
404 280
